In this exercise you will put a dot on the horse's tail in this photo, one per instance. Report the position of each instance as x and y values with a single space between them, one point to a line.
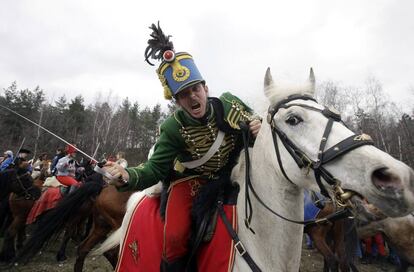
111 242
53 222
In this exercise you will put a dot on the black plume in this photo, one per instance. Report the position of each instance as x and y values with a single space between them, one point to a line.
158 44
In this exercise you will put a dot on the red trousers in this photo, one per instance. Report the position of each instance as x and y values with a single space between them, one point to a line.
67 180
177 224
379 241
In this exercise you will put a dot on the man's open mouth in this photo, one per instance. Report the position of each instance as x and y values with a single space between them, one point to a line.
196 106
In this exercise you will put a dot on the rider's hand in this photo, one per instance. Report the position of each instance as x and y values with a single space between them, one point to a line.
254 127
120 176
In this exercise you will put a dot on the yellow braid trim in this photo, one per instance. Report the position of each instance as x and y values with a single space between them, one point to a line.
167 93
167 90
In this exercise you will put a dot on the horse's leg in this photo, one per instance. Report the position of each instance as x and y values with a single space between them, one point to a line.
112 256
61 254
8 251
21 237
339 245
88 227
403 266
73 231
5 216
318 234
325 265
98 233
21 209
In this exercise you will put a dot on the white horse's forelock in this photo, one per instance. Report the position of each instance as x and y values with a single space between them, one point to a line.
276 93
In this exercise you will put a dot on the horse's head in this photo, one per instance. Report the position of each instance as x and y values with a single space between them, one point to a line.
20 181
312 139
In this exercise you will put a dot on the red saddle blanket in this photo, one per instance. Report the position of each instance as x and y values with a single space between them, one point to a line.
47 201
142 246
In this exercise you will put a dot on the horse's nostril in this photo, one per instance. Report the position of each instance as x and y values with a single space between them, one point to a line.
385 180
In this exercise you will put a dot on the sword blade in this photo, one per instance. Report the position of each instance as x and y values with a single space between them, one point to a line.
18 150
48 131
96 150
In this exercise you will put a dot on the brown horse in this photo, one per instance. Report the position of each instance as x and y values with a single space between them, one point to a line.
398 232
107 207
21 207
328 238
18 187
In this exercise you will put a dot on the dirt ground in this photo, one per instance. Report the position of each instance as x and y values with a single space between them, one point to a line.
45 262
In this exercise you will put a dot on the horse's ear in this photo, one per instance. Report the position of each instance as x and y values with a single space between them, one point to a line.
312 80
268 80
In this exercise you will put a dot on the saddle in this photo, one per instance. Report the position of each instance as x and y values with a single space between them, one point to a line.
211 247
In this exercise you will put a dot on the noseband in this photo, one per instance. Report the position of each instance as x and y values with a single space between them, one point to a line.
323 156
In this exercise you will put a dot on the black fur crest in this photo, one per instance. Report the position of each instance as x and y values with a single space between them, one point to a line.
158 44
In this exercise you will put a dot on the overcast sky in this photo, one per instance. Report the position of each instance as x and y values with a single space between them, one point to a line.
89 47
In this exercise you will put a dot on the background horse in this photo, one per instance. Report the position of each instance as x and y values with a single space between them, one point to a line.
18 187
398 232
300 121
107 207
329 238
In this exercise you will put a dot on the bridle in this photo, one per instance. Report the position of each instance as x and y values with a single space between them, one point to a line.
303 160
324 156
25 191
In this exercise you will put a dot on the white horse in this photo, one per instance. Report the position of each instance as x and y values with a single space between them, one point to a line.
383 181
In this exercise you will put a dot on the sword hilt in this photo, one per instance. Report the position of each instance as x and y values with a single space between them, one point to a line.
99 169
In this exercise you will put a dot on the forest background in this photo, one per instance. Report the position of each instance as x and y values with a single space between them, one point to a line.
125 125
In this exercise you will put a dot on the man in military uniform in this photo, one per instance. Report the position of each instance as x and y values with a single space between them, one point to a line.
198 144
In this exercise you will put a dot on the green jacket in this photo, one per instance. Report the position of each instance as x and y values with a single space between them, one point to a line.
183 138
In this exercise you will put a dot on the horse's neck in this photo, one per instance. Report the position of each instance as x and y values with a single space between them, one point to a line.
276 246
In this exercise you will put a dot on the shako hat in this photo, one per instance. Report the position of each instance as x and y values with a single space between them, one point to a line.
177 71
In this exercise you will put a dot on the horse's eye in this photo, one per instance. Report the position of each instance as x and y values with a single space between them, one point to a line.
293 120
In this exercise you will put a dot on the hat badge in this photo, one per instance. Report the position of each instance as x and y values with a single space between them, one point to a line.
179 72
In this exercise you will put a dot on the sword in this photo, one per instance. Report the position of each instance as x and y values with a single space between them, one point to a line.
96 150
18 150
98 167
